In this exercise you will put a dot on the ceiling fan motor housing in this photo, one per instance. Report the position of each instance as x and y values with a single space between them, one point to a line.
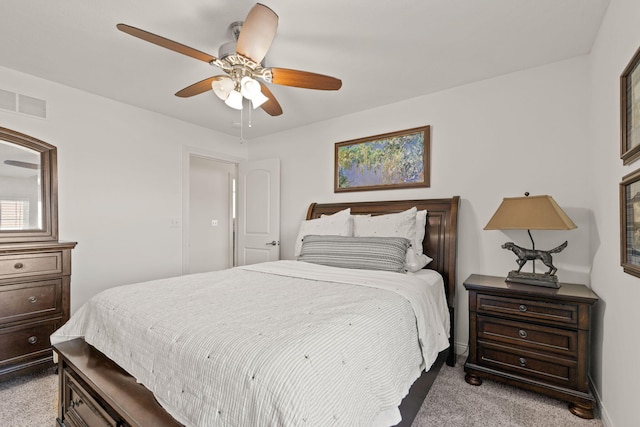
226 49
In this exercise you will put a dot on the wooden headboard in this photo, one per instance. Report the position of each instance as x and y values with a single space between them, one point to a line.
440 235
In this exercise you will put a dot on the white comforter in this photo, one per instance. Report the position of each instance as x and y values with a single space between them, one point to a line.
276 344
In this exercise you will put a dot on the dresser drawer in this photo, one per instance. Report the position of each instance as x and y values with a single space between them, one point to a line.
546 368
521 308
20 302
27 340
80 408
26 265
529 336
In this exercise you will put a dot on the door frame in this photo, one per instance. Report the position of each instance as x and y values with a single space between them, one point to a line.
187 152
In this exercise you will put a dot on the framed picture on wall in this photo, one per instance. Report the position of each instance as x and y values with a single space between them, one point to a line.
630 111
388 161
630 223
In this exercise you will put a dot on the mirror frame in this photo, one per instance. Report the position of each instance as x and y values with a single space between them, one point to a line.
49 179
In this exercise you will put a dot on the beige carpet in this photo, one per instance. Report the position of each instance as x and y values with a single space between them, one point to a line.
454 403
30 401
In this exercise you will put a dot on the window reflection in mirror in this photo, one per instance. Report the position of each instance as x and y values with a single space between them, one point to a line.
28 189
20 188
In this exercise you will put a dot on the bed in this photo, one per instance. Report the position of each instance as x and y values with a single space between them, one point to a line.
316 357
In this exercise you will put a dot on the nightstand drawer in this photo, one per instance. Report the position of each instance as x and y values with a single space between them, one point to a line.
529 336
26 340
521 309
19 302
546 368
30 264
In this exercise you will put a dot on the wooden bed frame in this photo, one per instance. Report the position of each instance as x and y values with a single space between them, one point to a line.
95 391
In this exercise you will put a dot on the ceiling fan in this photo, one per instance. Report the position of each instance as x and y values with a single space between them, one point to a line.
242 61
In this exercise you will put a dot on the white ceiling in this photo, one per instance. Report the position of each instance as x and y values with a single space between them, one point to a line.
384 51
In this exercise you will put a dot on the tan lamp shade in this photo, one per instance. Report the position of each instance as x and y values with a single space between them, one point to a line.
529 213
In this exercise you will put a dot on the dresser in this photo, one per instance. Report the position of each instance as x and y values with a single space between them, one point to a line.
531 337
34 302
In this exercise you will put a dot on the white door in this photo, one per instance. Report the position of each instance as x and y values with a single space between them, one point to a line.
259 211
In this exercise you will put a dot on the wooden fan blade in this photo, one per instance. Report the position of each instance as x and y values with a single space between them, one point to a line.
257 33
166 43
18 163
304 79
271 107
198 88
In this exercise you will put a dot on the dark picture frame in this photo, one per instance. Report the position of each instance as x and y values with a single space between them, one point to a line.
630 223
630 111
383 162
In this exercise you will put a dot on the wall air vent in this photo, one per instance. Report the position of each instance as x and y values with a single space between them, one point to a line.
23 104
32 106
8 100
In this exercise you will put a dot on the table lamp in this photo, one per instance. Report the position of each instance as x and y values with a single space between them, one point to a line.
531 213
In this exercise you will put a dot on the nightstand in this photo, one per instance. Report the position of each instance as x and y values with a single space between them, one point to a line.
531 337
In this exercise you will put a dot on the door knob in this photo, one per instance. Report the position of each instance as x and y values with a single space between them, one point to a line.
272 243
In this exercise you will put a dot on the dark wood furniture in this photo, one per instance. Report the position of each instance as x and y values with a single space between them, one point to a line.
35 268
94 391
532 337
34 302
97 392
22 158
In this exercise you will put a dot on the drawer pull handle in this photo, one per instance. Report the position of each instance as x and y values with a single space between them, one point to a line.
522 333
32 339
33 299
75 403
523 361
522 308
18 265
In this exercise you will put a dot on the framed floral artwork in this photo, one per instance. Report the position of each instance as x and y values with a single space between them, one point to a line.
388 161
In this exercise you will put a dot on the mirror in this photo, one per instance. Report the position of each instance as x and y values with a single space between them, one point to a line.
28 189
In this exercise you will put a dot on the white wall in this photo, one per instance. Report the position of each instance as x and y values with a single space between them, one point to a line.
120 181
617 316
492 139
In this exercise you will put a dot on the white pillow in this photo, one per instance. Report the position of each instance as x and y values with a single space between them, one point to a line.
421 224
338 224
414 262
401 224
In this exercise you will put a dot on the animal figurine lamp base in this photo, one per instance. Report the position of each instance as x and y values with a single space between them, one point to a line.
548 279
537 279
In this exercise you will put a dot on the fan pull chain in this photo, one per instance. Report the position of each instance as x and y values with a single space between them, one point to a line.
241 126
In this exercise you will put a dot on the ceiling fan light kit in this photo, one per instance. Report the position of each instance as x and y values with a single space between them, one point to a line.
249 87
234 100
242 61
258 100
222 87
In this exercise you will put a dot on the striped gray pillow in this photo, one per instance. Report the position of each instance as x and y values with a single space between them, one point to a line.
369 253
